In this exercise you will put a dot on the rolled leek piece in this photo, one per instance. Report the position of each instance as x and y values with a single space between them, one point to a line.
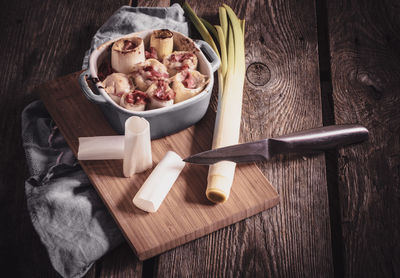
101 147
148 72
158 184
134 101
187 84
180 60
117 84
163 42
160 94
127 52
137 146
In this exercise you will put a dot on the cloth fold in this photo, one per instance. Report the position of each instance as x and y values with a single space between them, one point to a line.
68 215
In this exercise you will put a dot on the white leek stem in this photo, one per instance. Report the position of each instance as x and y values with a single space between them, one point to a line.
227 127
137 151
156 187
101 147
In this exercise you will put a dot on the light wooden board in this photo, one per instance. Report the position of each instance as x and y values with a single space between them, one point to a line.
185 214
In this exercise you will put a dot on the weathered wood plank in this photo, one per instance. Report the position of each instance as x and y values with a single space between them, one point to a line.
120 262
281 95
40 41
365 65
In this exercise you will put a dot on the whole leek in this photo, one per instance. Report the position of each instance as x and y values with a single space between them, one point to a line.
231 81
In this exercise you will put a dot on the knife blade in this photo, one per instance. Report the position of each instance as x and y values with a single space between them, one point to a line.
311 140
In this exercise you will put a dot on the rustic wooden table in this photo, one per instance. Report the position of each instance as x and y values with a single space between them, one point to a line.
309 63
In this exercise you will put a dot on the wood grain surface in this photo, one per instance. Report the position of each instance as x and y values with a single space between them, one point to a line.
365 63
40 40
45 39
281 95
185 214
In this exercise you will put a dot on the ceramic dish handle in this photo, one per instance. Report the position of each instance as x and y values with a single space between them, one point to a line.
211 55
87 91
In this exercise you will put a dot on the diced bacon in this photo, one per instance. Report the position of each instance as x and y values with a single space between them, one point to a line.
129 45
137 97
183 67
119 94
151 54
180 57
161 92
152 74
188 82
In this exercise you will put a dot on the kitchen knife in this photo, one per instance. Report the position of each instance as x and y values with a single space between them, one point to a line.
311 140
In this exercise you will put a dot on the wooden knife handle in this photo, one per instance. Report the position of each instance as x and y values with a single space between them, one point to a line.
318 139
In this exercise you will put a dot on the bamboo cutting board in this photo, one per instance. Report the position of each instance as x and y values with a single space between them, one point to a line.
185 214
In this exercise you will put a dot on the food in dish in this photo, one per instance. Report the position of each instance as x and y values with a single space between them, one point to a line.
135 100
139 78
148 72
160 94
117 84
180 60
127 52
162 42
187 84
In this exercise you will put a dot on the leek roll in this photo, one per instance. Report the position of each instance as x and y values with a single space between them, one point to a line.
158 184
117 84
180 60
127 52
147 72
160 94
187 84
101 147
137 146
134 101
163 42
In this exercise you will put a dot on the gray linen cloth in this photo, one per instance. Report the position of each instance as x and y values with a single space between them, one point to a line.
70 218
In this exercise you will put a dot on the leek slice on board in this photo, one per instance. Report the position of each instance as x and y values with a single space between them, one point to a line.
137 146
158 184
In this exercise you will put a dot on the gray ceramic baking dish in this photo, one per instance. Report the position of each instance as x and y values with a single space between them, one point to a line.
163 121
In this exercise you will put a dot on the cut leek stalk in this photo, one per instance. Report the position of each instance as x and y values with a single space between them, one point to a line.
137 146
101 147
127 52
158 184
231 81
163 41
